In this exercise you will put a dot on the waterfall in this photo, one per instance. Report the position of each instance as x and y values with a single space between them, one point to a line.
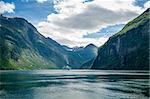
66 58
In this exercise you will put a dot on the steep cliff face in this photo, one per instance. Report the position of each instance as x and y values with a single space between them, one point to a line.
23 47
128 49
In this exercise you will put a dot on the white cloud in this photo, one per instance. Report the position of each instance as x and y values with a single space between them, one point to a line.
74 41
6 7
41 1
75 18
147 4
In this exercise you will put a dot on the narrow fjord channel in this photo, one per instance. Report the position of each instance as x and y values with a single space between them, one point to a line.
74 84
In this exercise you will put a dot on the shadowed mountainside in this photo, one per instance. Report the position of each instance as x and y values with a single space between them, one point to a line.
128 49
23 47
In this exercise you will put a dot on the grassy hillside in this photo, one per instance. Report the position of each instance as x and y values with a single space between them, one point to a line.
23 47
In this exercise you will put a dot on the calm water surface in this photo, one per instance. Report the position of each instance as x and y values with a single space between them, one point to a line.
74 84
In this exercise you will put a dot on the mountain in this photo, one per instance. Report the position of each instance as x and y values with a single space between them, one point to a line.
128 49
82 55
23 47
88 64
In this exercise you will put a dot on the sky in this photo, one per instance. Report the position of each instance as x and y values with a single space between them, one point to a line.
76 22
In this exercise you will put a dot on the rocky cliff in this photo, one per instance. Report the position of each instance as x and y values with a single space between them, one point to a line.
128 49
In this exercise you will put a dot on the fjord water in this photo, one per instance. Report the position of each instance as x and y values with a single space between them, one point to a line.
74 84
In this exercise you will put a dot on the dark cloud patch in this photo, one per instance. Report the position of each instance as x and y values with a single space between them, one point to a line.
95 16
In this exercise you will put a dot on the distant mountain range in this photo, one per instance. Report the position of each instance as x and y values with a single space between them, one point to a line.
23 47
128 49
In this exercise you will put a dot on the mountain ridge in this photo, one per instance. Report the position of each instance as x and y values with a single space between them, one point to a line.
23 47
127 49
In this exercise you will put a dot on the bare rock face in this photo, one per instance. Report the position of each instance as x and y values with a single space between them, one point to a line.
128 49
